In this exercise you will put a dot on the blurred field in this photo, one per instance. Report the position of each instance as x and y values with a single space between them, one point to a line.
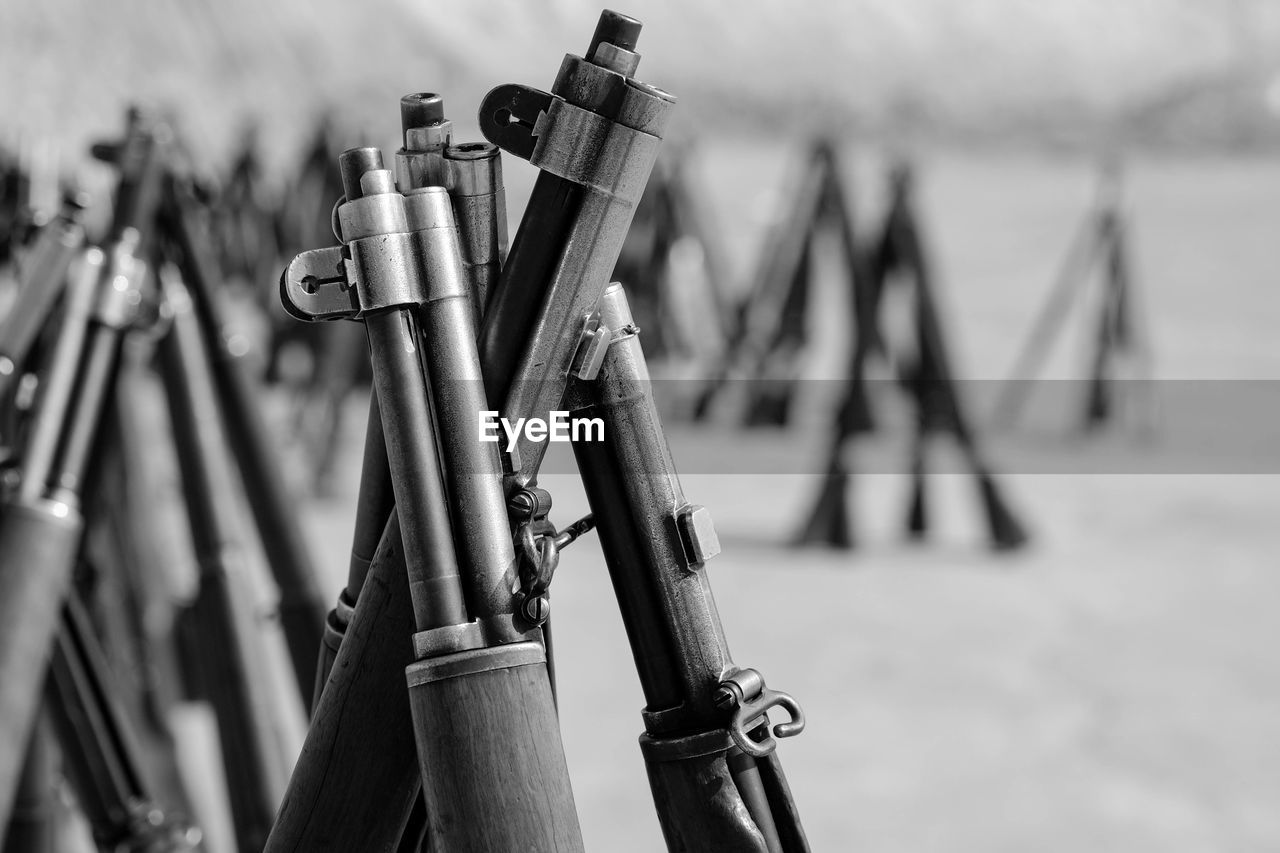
1116 687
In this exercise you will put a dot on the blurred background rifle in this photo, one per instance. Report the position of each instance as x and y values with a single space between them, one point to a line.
675 268
148 290
1118 340
766 342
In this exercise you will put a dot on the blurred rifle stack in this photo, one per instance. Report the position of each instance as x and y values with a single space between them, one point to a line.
771 330
769 340
30 188
1117 341
257 227
91 611
898 258
675 257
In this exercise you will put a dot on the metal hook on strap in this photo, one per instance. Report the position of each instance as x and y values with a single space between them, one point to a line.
543 554
538 543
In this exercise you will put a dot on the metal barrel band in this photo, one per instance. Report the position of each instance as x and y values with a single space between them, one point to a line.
447 639
476 661
593 151
383 271
468 636
612 155
346 607
334 631
667 749
378 269
337 620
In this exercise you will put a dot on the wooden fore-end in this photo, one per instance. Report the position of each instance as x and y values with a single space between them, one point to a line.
494 773
357 777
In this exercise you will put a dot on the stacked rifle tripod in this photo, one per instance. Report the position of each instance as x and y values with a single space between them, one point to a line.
1118 342
772 330
433 721
674 261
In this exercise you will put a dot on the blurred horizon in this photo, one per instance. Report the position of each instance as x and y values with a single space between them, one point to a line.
1075 75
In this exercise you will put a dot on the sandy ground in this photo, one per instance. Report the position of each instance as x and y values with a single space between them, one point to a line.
1115 687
